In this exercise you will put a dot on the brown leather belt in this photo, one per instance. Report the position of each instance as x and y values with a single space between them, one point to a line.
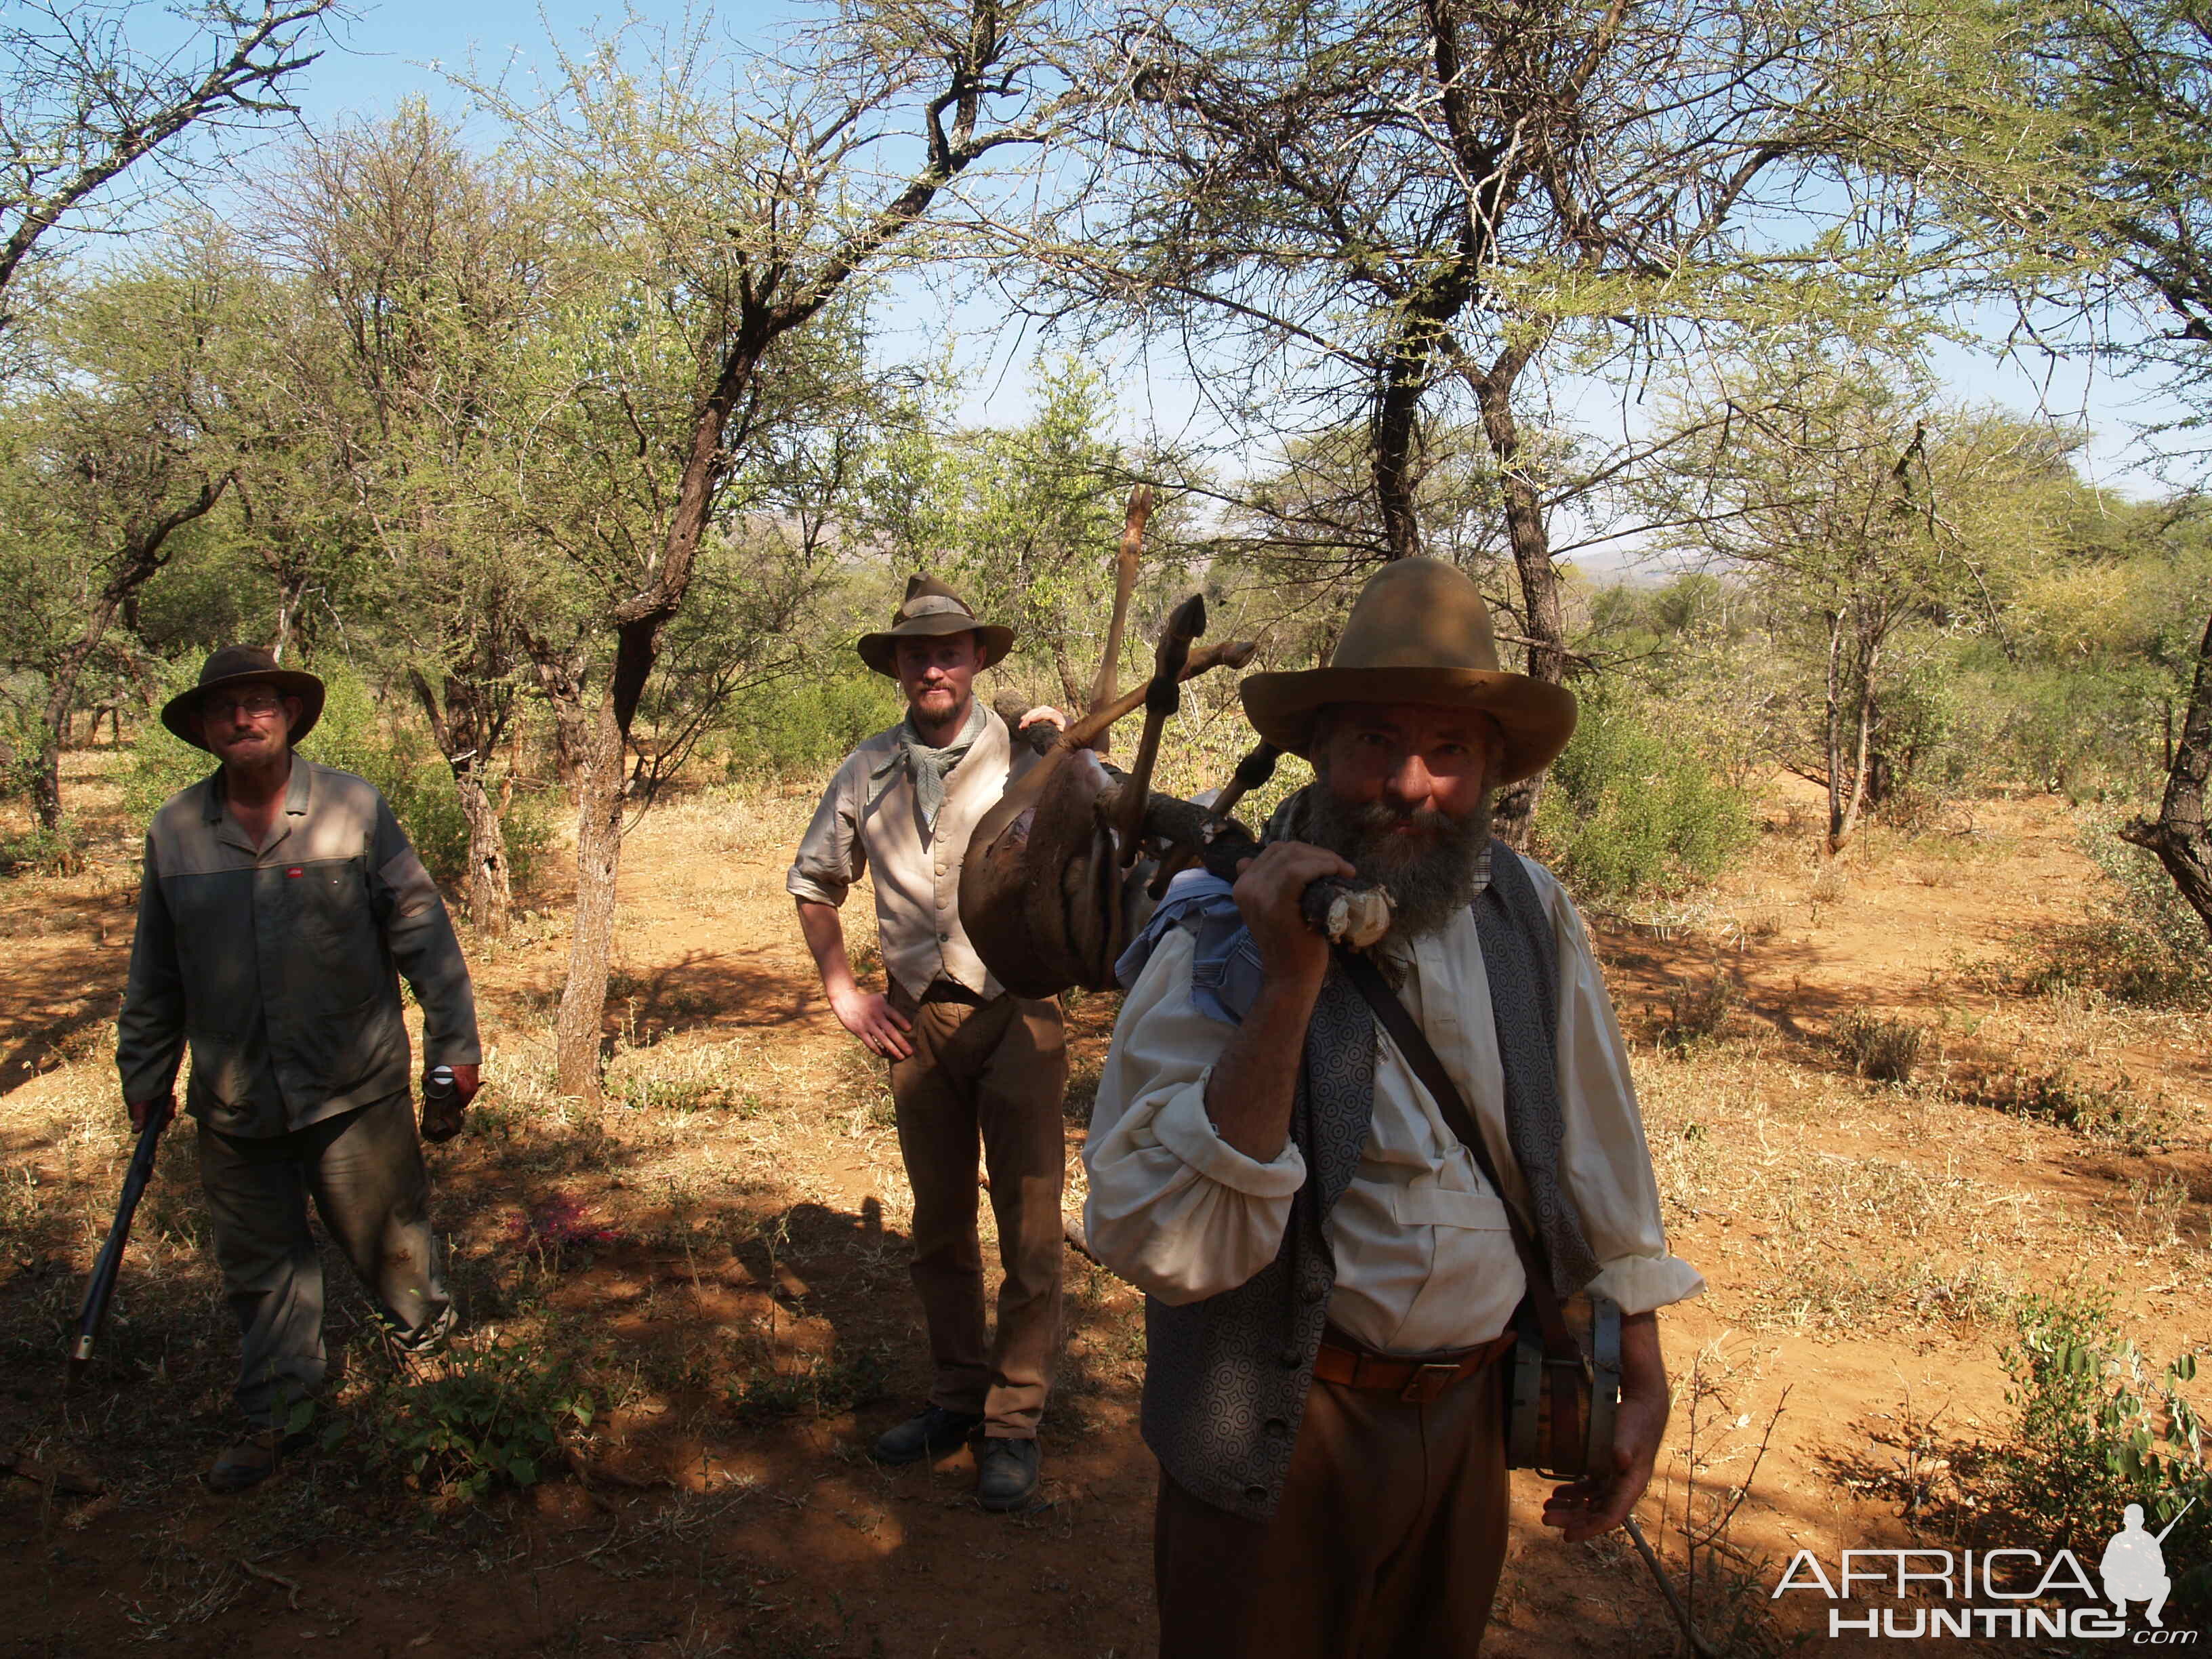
1417 1381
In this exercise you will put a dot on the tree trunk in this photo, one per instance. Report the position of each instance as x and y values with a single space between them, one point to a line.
1544 613
1833 733
467 727
2178 835
598 859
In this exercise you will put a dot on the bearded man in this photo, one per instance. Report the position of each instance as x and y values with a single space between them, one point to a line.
968 1059
1330 1280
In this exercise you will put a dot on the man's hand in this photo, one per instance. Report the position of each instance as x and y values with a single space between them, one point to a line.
1267 891
441 1121
874 1020
162 1109
1046 713
1583 1508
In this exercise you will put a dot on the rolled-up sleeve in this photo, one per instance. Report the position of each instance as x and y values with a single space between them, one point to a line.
830 857
420 934
150 1029
1604 1160
1173 1207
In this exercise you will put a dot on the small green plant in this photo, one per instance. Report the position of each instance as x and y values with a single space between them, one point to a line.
1884 1050
815 1386
486 1413
2098 1427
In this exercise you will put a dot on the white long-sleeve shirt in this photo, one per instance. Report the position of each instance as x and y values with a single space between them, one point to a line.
1424 1260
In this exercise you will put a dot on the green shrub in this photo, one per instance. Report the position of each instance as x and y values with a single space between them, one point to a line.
1629 814
55 852
2098 1427
487 1413
385 746
801 727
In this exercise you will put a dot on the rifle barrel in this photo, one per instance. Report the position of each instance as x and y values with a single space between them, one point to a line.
94 1314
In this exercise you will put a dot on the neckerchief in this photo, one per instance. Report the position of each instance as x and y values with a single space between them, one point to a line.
926 766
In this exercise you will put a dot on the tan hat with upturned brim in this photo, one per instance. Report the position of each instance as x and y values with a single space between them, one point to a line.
931 609
1418 632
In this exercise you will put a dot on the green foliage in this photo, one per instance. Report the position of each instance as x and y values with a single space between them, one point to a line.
802 726
490 1413
816 1385
2099 1426
1629 814
382 743
55 852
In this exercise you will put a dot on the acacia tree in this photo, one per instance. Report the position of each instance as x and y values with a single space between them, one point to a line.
1862 509
416 267
2125 216
1400 216
722 218
117 452
81 105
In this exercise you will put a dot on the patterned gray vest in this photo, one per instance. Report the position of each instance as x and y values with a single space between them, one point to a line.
1225 1379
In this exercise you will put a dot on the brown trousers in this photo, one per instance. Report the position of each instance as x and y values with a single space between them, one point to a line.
1387 1543
997 1070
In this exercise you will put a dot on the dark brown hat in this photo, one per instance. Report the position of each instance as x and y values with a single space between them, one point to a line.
1418 632
233 666
931 608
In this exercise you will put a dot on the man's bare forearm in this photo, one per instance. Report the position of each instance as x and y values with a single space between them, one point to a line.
1254 1083
825 939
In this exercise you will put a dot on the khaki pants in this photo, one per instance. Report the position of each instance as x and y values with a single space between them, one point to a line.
364 1171
996 1071
1387 1543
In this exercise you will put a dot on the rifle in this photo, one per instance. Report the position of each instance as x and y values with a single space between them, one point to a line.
94 1314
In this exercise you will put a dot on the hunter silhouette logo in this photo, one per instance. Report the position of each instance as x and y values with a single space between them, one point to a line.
1919 1594
2134 1567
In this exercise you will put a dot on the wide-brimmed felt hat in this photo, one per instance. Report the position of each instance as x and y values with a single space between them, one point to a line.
1418 632
234 665
931 608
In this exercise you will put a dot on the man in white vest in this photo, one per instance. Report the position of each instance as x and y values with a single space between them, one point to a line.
968 1060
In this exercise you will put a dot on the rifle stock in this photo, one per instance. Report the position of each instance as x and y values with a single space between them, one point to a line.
94 1314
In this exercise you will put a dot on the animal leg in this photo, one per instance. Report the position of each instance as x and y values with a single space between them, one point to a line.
1163 696
1125 584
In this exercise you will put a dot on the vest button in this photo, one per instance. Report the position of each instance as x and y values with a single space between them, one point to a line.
1255 1494
1276 1427
1314 1292
1292 1358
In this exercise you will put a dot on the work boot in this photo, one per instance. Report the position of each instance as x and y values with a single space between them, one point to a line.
1008 1475
932 1434
246 1463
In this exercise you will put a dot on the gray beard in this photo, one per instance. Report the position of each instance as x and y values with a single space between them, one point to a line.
1430 880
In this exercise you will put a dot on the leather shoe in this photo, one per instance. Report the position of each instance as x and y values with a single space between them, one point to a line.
931 1434
1008 1475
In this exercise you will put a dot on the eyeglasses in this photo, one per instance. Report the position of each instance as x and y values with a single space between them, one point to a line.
254 705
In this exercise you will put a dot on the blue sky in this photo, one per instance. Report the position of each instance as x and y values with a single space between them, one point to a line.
399 48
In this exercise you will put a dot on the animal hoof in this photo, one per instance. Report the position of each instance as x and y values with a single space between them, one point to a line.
1359 916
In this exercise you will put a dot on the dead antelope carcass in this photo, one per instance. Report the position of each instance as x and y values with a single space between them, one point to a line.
1055 881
